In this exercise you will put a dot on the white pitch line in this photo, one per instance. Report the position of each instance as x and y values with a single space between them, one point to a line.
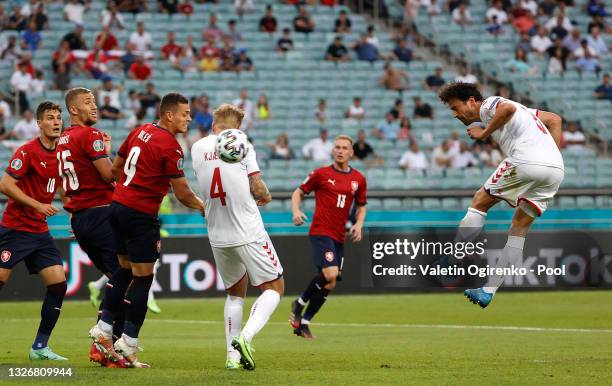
392 325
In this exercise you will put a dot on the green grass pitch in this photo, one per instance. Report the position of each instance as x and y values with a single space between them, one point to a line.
382 339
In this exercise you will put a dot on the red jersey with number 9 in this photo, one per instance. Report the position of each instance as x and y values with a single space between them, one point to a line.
35 169
335 191
77 148
152 156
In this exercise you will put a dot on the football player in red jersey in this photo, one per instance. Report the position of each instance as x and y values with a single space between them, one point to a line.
30 182
147 164
336 187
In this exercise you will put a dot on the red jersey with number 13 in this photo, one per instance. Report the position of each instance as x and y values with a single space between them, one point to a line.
152 157
335 191
35 169
77 148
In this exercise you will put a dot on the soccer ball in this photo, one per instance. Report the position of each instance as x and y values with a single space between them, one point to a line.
232 146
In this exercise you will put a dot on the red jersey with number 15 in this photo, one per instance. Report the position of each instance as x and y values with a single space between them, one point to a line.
35 169
152 157
77 148
335 191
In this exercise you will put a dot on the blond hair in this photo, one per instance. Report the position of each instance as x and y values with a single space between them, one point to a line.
73 93
345 137
227 116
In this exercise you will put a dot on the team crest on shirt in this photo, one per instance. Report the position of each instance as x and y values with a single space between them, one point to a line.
6 256
179 164
329 256
354 186
98 145
16 164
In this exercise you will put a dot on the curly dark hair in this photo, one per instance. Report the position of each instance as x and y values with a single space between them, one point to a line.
461 91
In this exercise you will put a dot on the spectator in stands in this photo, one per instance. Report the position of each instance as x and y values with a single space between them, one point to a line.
337 52
494 27
364 152
141 39
422 110
111 17
573 139
150 99
4 131
96 64
342 25
454 143
136 120
558 43
110 90
525 43
464 157
547 7
559 26
186 8
242 62
226 55
556 63
394 79
108 111
523 21
371 37
355 111
321 112
435 81
11 51
39 17
17 21
232 33
26 128
243 6
133 6
263 108
541 42
209 62
442 157
413 159
573 40
405 132
74 11
21 83
465 76
5 109
140 70
497 10
128 58
529 5
597 42
303 22
75 39
39 84
202 114
167 6
170 50
596 7
398 109
387 128
106 41
61 79
133 104
243 102
583 49
365 50
519 63
281 149
604 90
318 149
268 22
588 63
402 52
597 21
31 38
462 15
210 48
285 43
490 157
4 17
212 30
433 9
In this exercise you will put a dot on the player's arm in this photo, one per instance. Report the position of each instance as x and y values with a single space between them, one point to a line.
105 169
183 193
259 190
360 215
553 123
117 168
296 201
503 114
8 186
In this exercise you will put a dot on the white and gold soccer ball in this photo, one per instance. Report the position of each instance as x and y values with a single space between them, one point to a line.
232 146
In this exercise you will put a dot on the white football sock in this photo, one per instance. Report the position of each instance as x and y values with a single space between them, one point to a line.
151 294
101 282
511 255
106 328
471 225
232 313
263 307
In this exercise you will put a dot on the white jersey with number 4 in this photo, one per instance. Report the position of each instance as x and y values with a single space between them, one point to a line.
232 215
524 139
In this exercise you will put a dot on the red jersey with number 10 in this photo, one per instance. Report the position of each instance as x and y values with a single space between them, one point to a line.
335 191
35 169
152 157
77 148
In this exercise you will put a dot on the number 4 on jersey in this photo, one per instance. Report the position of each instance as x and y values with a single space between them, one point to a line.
216 187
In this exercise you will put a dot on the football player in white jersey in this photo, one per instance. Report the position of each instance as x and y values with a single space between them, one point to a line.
527 179
241 246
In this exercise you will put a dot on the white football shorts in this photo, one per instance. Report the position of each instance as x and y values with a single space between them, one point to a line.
528 186
258 259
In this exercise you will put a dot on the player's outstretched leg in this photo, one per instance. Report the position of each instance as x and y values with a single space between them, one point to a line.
261 311
297 306
151 303
49 313
95 289
232 314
